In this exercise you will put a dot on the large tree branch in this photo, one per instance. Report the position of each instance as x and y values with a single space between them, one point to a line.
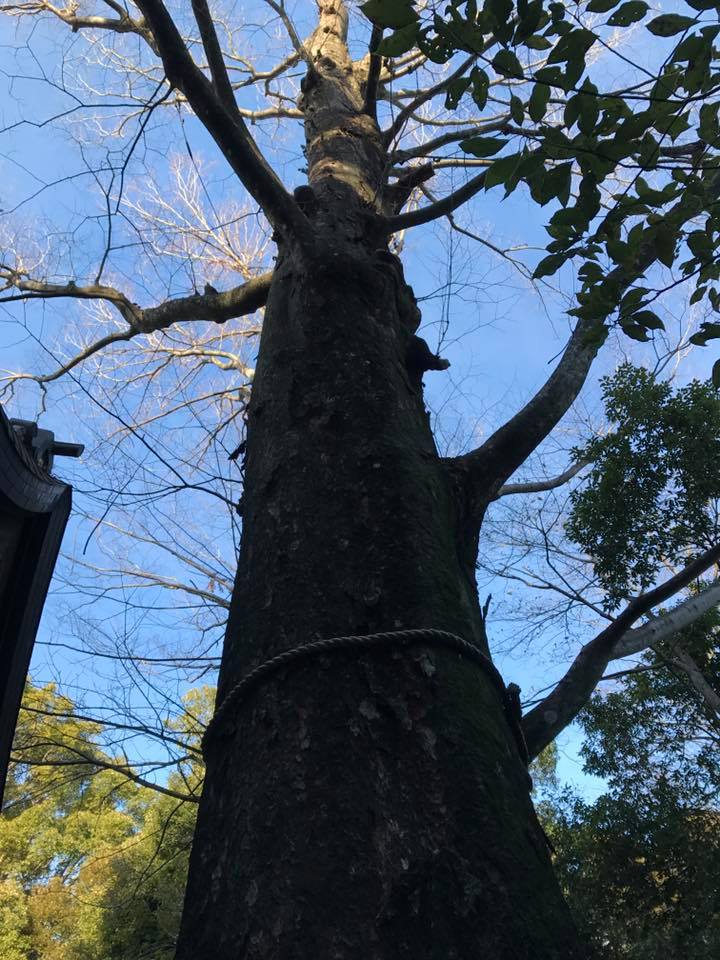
662 628
373 74
226 128
709 697
216 307
545 721
213 52
488 467
508 448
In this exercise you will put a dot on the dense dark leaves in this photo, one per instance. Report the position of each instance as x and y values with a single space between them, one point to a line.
641 881
640 865
652 145
652 493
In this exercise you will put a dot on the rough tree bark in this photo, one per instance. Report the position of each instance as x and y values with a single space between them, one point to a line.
363 805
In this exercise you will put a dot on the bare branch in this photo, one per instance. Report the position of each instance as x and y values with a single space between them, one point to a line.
545 721
143 729
430 146
123 24
539 486
425 95
217 307
227 130
440 208
298 46
125 769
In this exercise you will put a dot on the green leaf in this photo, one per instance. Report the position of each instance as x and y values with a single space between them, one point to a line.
669 24
665 240
538 102
635 332
631 300
572 111
552 76
700 244
399 42
715 375
573 46
500 10
628 13
601 6
529 21
480 85
436 49
648 319
569 217
708 331
517 109
482 146
557 184
589 114
689 49
708 128
549 265
503 170
454 91
531 165
507 64
390 13
591 272
537 43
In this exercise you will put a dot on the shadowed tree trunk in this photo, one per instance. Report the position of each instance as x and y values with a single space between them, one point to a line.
362 804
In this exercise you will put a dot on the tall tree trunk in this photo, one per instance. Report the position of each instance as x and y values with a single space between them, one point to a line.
362 804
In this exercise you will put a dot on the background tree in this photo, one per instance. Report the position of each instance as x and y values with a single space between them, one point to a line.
339 450
648 501
92 863
639 865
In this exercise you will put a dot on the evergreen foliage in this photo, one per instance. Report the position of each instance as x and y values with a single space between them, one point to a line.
92 865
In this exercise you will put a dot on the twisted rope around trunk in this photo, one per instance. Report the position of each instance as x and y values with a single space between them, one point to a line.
510 695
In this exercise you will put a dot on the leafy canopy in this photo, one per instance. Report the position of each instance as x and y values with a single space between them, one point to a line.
652 492
91 864
632 171
640 865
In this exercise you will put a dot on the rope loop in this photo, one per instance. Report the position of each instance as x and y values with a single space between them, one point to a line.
510 695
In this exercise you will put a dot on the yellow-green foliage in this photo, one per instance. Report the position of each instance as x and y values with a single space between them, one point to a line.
92 865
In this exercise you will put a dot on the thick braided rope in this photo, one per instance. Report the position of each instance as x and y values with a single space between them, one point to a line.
396 638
